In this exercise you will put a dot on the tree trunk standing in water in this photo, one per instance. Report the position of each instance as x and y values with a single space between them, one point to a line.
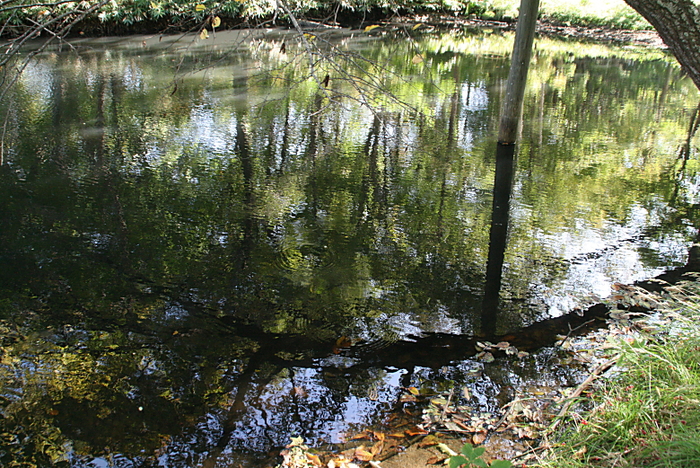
678 24
509 127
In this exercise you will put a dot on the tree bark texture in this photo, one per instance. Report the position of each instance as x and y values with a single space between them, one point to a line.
678 24
517 77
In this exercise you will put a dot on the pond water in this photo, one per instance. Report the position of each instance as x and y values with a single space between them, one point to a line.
205 251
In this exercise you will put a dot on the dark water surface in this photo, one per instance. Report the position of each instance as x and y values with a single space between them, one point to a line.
196 265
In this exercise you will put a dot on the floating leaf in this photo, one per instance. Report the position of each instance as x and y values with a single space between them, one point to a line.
485 356
204 34
413 390
200 7
418 58
215 22
502 345
369 28
343 342
416 26
439 401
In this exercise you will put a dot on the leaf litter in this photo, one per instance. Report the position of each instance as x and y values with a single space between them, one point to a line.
528 417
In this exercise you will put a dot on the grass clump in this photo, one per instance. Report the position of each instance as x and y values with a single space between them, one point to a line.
649 414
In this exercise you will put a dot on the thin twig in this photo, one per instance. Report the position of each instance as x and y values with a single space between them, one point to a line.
597 372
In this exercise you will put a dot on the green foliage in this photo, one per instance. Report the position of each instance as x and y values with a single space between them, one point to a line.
186 14
471 457
648 414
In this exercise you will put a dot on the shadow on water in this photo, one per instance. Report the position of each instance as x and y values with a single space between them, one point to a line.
190 278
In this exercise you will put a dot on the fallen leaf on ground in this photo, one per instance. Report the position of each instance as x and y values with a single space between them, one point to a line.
362 454
479 438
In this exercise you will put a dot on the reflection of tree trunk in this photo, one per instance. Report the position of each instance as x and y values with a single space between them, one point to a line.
240 406
452 134
242 149
662 96
285 142
509 127
370 179
500 215
684 153
312 149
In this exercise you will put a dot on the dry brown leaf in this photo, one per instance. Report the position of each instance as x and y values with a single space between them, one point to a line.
377 448
428 441
479 438
362 454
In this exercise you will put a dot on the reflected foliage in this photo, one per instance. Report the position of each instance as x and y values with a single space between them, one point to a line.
182 266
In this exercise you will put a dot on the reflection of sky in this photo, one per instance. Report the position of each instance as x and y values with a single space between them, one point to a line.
37 78
597 257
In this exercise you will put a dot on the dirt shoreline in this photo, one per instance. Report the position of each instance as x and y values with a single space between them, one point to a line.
431 22
642 38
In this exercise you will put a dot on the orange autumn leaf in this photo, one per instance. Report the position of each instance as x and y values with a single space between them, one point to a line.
416 431
314 459
380 436
414 391
341 343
